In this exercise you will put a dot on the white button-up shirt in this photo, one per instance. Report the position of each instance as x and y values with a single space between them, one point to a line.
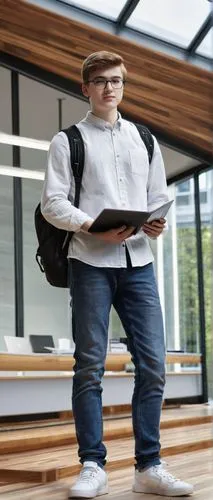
116 174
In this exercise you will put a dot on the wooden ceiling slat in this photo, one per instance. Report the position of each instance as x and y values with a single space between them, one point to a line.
178 129
171 96
166 100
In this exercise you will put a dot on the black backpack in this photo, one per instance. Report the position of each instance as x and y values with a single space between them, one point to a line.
52 252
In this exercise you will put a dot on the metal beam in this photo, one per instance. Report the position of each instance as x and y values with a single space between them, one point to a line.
17 213
125 13
200 35
201 296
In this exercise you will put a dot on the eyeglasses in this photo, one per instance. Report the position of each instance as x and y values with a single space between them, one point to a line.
101 83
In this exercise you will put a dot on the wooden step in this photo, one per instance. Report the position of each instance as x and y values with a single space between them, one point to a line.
64 434
194 467
60 462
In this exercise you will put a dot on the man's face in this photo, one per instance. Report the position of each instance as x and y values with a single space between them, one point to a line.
104 98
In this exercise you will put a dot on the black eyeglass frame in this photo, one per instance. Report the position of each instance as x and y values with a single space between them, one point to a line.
106 81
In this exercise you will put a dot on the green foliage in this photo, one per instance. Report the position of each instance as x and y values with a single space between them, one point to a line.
188 289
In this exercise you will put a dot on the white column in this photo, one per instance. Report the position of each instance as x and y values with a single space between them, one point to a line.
160 276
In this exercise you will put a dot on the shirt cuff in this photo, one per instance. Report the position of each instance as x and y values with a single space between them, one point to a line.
80 220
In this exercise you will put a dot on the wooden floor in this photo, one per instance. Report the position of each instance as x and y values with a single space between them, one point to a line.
26 460
195 467
25 437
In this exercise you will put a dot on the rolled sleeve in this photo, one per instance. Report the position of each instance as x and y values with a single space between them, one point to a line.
55 204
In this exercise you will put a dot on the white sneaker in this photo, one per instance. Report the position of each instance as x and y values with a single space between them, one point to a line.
92 482
160 482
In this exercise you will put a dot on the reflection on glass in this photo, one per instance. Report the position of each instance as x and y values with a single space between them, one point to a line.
110 9
176 21
7 305
207 248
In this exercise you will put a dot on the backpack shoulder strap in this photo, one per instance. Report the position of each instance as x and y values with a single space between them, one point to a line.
147 138
77 158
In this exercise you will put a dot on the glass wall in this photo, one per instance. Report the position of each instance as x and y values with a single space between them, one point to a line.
187 273
7 298
43 120
206 193
7 305
46 309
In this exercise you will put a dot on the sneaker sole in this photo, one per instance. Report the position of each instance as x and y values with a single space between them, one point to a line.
85 494
154 492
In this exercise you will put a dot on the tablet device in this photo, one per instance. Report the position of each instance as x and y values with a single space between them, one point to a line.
112 218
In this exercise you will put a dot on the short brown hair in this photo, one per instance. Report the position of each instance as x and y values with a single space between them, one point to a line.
101 60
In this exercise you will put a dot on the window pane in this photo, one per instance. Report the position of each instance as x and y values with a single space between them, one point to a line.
180 278
45 122
183 187
7 298
33 159
203 197
176 21
6 155
116 330
207 248
206 47
203 181
5 101
7 302
183 200
46 308
110 9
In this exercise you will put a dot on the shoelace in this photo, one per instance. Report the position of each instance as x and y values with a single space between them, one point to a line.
87 474
162 473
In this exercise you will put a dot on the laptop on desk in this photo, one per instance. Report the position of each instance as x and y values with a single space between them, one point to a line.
17 345
39 342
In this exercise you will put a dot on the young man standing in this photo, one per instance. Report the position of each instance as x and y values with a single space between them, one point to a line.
112 268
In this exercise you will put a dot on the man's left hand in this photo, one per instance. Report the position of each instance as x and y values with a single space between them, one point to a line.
154 228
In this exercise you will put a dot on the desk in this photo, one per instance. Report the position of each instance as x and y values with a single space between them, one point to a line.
45 382
52 362
45 393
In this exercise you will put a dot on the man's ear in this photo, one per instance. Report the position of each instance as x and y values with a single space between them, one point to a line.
84 89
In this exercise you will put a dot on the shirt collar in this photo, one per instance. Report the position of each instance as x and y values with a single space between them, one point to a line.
102 124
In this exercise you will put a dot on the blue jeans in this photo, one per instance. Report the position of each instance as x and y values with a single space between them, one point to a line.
133 293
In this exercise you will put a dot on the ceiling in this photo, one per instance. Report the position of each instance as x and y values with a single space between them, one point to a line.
44 109
169 95
182 24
